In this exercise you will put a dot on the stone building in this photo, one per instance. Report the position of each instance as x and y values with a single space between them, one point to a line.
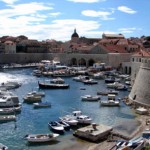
140 94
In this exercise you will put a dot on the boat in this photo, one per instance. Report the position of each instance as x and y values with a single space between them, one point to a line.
3 147
122 88
5 118
111 101
90 81
39 138
141 111
36 93
133 144
56 127
42 105
57 81
32 99
114 85
9 110
110 80
64 124
82 119
37 73
90 98
52 86
10 85
9 101
80 78
69 119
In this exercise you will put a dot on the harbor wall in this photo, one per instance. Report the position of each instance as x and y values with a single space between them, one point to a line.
112 59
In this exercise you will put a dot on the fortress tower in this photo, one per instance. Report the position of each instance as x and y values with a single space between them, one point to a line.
140 93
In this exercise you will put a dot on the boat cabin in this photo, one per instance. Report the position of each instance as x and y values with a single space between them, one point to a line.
77 113
111 96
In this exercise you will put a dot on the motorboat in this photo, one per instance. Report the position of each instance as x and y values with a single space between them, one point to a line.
56 127
110 80
90 98
37 73
10 85
122 88
10 110
64 124
80 78
82 119
108 92
3 147
99 75
57 81
43 85
36 93
69 119
32 99
90 81
42 105
111 101
5 118
114 85
39 138
9 101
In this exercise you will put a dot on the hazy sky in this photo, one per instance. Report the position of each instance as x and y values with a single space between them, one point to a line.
57 19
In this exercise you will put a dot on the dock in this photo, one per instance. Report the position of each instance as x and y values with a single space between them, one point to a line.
93 132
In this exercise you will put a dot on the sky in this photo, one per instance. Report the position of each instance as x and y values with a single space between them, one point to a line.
57 19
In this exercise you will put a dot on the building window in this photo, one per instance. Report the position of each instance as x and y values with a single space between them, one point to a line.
133 59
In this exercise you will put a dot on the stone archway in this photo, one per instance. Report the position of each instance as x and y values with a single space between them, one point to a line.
91 62
73 62
82 62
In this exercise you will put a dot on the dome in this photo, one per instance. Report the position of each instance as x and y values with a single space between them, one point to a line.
75 34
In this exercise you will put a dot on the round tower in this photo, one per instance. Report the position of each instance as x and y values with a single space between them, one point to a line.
140 93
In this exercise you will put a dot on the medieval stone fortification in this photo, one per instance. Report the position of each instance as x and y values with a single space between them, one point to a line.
140 93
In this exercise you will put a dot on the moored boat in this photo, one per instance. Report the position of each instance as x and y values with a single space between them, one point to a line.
5 118
32 99
42 105
52 86
90 98
56 127
3 147
38 138
36 93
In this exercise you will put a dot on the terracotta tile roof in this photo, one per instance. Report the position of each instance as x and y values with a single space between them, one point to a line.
142 53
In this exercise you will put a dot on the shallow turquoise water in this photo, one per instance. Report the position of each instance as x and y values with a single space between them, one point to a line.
36 120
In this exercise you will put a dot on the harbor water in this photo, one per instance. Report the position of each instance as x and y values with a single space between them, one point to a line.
35 121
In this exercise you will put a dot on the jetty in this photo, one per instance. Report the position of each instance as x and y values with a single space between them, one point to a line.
94 132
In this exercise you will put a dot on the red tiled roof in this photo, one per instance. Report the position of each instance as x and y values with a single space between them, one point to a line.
142 53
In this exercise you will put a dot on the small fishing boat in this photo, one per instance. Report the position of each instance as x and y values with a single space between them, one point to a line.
90 81
3 147
56 127
10 110
42 105
38 138
36 93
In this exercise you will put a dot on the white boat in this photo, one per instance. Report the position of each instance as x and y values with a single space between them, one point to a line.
114 85
90 81
111 101
56 127
90 98
38 138
42 105
9 110
57 81
10 85
5 118
9 101
32 99
36 93
80 78
69 119
141 111
82 119
3 147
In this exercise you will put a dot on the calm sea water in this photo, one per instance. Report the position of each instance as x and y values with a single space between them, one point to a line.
36 120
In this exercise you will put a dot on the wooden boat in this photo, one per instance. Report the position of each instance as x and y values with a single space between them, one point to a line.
5 118
3 147
42 105
90 98
38 138
32 99
53 86
56 127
